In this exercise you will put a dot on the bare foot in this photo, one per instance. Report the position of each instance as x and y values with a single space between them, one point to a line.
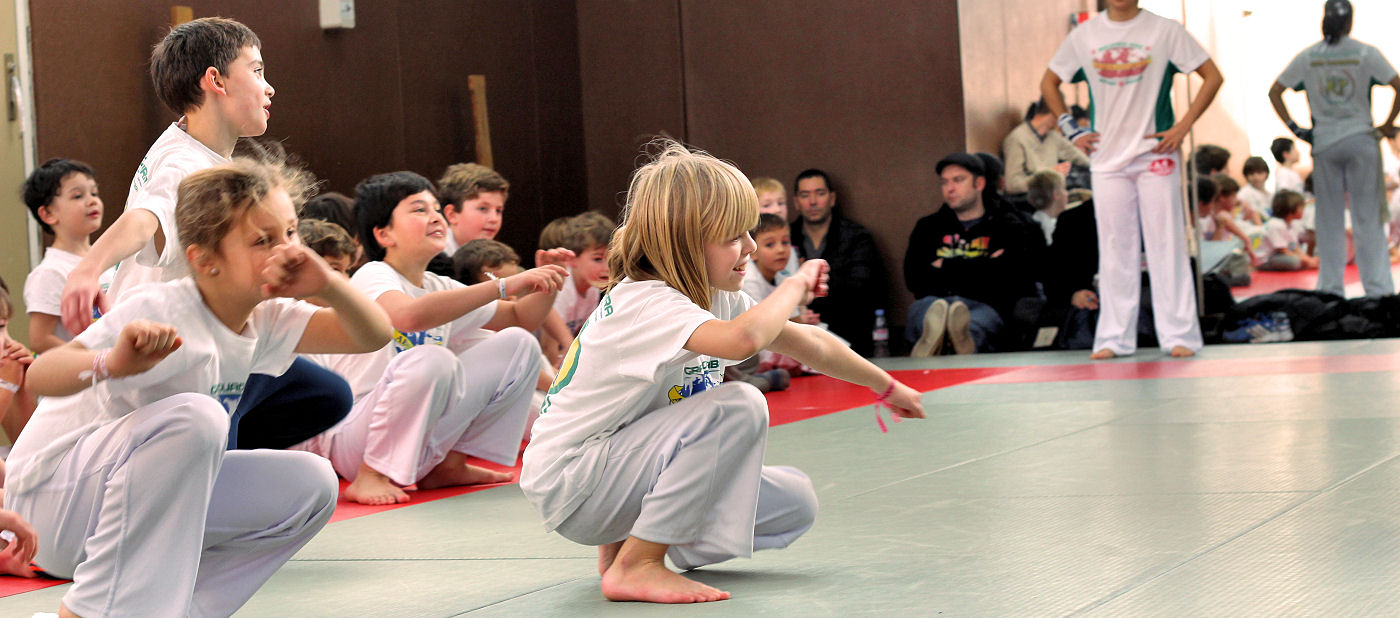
454 471
371 487
652 582
1103 354
1182 352
606 555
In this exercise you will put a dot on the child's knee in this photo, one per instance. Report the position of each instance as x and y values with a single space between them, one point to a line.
198 421
427 365
314 479
743 405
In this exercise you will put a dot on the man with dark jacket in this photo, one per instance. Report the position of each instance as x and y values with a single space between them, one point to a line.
857 285
968 264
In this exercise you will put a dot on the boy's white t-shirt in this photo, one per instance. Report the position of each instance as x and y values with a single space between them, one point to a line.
759 288
1259 200
1278 234
212 360
43 288
154 188
575 307
363 371
1286 178
1338 80
1128 66
628 360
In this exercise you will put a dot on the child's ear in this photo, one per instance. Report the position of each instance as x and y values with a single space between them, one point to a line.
383 237
198 258
46 216
212 81
450 212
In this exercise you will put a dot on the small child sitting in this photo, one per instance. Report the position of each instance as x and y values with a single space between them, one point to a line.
484 260
1254 198
336 208
588 236
1046 192
473 203
62 196
772 199
1279 249
1217 217
331 242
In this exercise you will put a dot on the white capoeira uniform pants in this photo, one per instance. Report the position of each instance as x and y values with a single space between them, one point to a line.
430 402
1350 170
691 476
1136 207
150 515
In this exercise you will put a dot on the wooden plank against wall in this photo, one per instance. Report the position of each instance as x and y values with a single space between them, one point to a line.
181 14
480 120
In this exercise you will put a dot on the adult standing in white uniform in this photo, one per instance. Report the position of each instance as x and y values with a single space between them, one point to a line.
1128 56
1337 73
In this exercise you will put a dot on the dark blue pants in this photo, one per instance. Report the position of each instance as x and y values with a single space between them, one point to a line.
288 409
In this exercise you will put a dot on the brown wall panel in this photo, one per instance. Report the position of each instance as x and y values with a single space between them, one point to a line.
389 94
632 85
873 97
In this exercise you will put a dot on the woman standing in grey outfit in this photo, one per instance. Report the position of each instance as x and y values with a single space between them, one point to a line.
1337 73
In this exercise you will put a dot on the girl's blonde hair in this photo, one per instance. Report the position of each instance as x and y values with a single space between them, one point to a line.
212 201
676 203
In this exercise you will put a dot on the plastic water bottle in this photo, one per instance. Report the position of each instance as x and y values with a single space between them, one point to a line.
881 335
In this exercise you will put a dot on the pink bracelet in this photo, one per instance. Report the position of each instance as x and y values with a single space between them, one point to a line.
99 368
882 399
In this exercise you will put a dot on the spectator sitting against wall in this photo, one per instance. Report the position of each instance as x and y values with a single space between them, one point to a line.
857 284
1036 145
968 264
1047 195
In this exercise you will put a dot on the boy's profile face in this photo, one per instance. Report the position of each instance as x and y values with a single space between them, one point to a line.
773 203
591 268
774 247
247 97
416 230
479 217
76 209
1256 178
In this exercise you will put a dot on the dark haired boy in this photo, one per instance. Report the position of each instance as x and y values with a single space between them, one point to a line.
1253 196
443 389
62 196
1286 154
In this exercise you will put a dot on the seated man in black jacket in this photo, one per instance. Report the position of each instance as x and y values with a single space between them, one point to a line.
857 285
967 264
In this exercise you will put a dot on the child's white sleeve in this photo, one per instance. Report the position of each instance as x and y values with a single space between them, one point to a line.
1186 52
376 278
158 197
43 291
281 323
1066 63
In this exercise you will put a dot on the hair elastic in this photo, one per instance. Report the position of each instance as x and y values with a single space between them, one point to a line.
99 368
883 399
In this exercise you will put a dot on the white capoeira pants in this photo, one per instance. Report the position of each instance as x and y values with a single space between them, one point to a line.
1350 170
1140 206
150 515
691 476
430 402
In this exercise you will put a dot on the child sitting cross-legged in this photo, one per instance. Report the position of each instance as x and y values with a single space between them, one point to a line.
1279 249
439 392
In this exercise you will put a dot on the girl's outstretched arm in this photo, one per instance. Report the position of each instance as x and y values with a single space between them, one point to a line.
755 329
352 324
71 367
819 350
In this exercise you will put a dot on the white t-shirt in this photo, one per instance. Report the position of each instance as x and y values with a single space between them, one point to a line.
1338 80
575 307
213 360
1278 234
759 288
628 360
174 156
1260 201
1128 66
43 288
1047 224
1286 178
451 248
363 371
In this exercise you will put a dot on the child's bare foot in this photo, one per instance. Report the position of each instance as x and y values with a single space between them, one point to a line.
606 555
1103 354
1182 352
650 581
454 471
371 487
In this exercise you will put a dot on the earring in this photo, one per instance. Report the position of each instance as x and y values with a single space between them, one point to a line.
213 272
